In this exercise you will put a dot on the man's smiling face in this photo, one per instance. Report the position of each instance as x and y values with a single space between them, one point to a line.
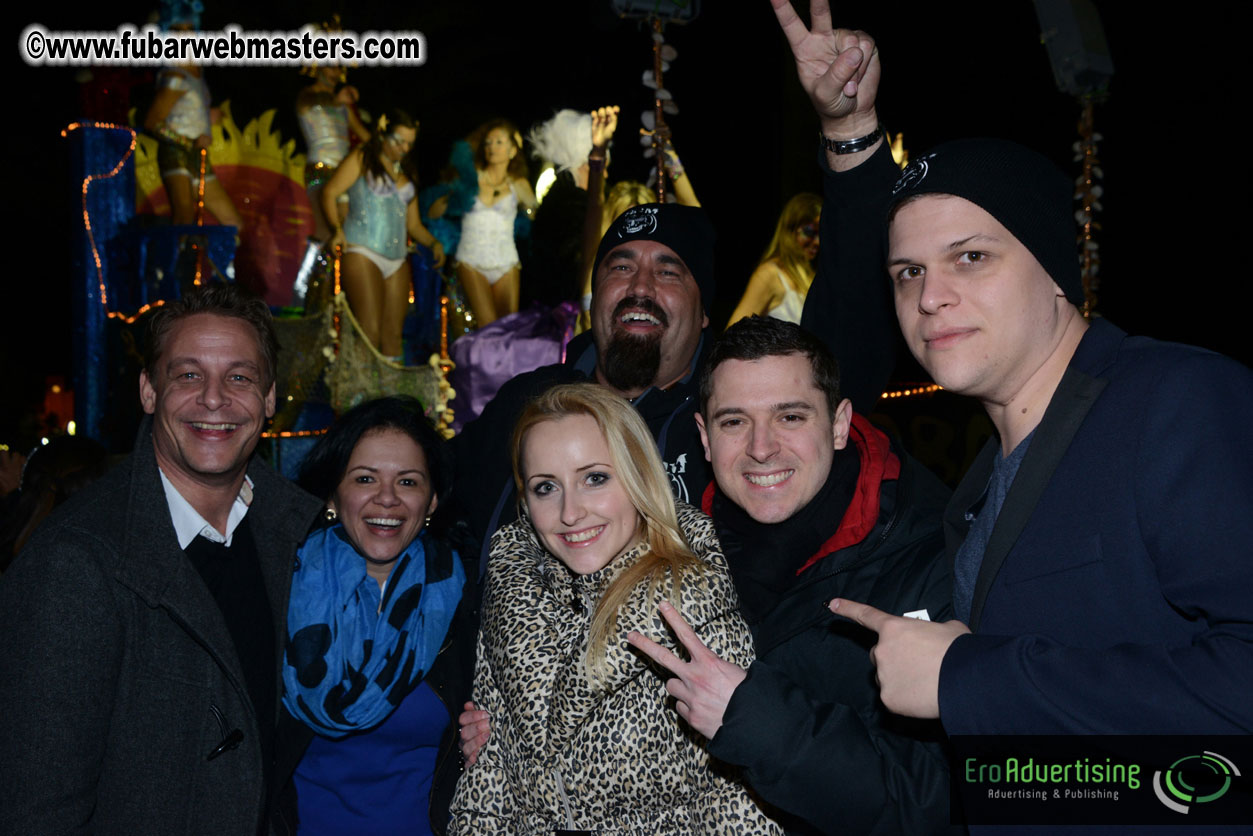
646 317
770 434
209 399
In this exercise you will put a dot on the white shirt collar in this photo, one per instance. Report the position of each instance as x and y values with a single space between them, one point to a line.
187 520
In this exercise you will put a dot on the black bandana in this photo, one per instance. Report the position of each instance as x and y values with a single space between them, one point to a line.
764 557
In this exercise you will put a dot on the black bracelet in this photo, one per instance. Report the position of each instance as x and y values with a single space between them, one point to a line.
851 146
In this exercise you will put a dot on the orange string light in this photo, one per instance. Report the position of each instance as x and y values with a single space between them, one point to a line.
929 389
443 328
294 433
199 246
91 237
335 295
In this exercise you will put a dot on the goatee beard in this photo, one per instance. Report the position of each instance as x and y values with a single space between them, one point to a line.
631 362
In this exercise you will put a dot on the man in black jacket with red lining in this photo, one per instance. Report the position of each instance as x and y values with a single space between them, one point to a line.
811 502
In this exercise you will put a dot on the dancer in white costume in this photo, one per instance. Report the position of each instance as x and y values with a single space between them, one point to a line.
487 258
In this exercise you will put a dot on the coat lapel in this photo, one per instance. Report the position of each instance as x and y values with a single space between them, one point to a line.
153 565
1075 395
280 516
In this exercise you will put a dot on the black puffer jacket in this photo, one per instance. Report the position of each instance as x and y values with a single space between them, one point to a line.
807 724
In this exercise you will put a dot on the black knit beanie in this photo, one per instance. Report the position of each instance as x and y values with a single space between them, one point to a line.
1025 192
685 229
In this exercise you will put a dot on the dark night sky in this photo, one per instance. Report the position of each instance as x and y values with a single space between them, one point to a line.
745 132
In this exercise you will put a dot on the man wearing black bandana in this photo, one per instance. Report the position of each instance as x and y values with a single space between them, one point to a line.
811 502
653 283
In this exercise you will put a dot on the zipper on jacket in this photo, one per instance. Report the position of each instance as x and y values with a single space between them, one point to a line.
565 799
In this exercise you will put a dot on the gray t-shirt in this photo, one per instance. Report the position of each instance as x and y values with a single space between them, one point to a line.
983 515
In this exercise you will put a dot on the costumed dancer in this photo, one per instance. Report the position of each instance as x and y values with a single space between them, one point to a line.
380 181
487 257
326 119
781 281
179 118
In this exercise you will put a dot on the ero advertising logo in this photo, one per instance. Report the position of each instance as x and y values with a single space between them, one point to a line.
1125 780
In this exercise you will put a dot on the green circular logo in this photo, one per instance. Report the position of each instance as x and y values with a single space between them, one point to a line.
1194 779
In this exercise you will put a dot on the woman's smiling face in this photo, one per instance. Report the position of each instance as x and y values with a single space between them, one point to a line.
384 497
577 502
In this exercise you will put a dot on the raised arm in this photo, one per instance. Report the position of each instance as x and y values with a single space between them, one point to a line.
684 193
604 124
839 69
849 305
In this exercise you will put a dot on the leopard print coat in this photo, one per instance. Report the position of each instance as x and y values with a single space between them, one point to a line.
613 758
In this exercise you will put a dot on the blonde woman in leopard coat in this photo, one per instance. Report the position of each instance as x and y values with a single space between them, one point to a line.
582 738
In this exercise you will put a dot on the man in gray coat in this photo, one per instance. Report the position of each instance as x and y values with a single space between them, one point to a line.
143 624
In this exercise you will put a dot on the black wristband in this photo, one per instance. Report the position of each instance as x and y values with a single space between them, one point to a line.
851 146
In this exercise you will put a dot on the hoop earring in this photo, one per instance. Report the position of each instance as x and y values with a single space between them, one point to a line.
330 515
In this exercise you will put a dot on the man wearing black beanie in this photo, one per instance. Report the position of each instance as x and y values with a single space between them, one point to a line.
653 283
1100 540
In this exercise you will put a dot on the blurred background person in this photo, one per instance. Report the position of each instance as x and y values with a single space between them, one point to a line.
180 120
381 183
567 224
50 475
328 121
781 281
487 257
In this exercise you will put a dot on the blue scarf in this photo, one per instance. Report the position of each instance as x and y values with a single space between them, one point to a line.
352 653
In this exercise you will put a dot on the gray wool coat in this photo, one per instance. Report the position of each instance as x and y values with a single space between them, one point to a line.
118 676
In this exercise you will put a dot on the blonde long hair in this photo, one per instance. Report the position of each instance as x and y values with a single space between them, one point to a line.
621 197
637 464
797 212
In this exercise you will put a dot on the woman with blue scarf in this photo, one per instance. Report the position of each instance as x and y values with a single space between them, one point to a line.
372 667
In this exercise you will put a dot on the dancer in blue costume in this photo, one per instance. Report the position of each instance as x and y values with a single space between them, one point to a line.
179 119
327 120
376 662
487 258
381 182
